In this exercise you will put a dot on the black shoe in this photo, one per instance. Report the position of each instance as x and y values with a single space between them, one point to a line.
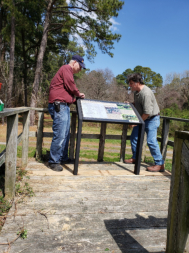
55 167
68 161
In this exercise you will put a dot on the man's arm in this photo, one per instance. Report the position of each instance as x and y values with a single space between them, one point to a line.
69 83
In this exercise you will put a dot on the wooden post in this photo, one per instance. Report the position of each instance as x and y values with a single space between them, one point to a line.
25 138
39 136
123 143
11 156
144 147
102 142
72 136
165 136
178 213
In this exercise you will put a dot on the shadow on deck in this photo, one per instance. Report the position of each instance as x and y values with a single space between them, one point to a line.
105 208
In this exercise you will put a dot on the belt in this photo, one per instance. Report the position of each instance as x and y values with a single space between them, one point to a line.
62 103
154 116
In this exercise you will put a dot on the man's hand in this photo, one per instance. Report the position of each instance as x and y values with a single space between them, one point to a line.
126 102
82 95
144 116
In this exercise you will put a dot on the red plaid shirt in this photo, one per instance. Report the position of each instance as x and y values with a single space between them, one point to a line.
63 87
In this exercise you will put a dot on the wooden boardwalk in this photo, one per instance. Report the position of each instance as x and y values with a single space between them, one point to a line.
106 208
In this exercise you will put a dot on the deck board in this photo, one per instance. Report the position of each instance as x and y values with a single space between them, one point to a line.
105 207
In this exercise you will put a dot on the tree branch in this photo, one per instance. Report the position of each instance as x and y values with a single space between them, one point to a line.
54 29
74 7
83 28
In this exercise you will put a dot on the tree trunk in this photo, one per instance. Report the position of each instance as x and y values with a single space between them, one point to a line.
11 68
40 61
1 26
2 44
25 67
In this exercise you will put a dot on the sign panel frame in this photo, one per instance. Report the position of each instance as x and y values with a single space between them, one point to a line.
82 118
107 120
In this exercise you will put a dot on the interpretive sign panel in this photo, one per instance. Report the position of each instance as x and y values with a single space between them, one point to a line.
92 109
108 112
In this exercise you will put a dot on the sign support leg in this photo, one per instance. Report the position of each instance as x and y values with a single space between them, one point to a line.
78 146
139 149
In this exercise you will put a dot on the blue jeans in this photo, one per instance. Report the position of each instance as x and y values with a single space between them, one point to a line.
151 126
61 133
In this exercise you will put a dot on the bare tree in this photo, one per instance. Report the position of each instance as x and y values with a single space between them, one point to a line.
102 85
11 65
40 60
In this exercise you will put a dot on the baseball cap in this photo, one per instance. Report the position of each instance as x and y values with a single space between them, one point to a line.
79 59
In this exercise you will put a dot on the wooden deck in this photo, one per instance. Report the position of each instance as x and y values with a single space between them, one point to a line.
106 208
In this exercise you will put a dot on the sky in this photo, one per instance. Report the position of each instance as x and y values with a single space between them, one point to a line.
155 34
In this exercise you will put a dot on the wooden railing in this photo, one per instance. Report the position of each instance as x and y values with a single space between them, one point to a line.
102 136
9 155
178 214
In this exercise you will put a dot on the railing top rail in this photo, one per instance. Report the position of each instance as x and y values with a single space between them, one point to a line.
11 111
38 109
176 119
46 110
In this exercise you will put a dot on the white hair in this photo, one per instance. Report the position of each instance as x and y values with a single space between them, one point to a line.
71 61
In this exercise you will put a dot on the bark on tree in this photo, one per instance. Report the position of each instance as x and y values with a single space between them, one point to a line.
39 66
11 66
25 67
1 26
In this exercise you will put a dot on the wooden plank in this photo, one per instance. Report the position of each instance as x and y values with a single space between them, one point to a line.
39 135
102 142
83 136
176 119
169 143
185 157
78 222
96 136
39 109
11 111
25 138
72 136
123 142
165 136
178 220
11 156
89 240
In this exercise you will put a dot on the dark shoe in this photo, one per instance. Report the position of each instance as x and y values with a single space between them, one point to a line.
69 161
55 167
131 161
156 168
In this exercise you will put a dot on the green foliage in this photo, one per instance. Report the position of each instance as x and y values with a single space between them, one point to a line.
4 205
151 79
175 112
23 233
20 173
88 22
2 147
25 189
